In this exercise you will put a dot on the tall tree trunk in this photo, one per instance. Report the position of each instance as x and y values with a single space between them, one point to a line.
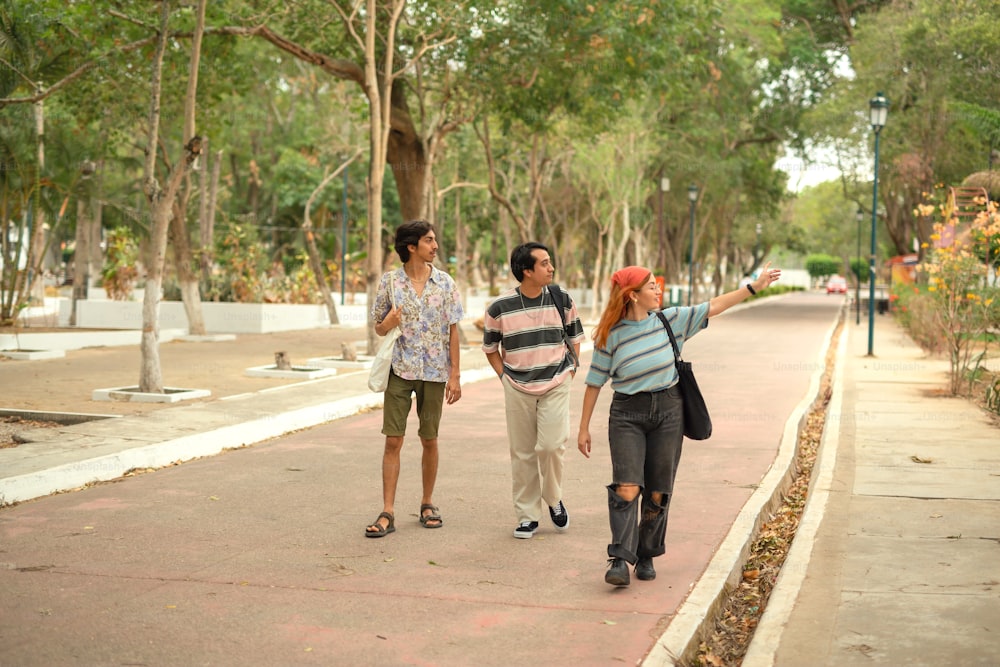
187 277
161 203
82 241
150 373
408 160
314 259
208 234
204 233
186 274
378 92
36 242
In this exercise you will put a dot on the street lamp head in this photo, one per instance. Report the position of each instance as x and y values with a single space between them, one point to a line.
878 109
692 193
860 215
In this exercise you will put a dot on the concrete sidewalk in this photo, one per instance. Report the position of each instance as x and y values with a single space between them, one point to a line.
896 558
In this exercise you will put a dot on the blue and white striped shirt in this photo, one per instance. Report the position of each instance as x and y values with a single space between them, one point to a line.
637 356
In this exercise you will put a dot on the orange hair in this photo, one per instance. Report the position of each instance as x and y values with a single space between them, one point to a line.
615 309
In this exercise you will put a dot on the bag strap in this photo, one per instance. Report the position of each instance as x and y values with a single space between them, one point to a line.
557 295
670 332
557 298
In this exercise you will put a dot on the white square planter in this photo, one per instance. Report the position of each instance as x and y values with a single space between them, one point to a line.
31 355
364 361
132 394
296 372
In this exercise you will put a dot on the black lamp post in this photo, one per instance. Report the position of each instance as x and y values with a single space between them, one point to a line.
878 109
859 216
661 257
692 198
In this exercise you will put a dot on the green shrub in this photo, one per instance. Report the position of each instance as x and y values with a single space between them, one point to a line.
821 265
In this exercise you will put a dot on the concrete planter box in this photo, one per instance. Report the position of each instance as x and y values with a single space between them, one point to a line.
363 361
297 372
32 355
132 394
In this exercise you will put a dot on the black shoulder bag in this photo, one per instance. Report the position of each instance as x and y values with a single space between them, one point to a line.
557 296
697 421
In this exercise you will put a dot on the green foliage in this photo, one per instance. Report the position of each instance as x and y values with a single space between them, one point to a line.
993 396
983 120
244 273
709 93
860 269
241 266
821 266
120 270
775 290
915 310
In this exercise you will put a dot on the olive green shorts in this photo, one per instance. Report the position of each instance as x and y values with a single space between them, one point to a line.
398 400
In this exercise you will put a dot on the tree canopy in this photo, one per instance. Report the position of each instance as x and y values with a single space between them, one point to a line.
557 121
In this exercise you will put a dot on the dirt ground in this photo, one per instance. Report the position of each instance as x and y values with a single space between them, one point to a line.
66 384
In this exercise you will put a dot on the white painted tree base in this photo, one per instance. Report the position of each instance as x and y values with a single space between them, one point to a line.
207 338
297 372
31 355
132 394
363 361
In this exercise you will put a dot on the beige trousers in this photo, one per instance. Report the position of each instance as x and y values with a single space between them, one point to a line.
537 429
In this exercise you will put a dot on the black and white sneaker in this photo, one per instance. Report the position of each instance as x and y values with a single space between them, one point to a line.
560 517
525 530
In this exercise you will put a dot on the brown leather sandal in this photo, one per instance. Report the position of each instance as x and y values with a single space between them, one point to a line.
381 531
432 520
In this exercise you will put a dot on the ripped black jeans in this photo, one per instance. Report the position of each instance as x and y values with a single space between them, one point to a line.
645 432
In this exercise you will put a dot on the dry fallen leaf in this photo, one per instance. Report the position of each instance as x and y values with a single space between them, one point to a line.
750 575
714 660
917 459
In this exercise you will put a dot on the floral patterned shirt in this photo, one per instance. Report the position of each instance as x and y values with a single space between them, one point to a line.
422 351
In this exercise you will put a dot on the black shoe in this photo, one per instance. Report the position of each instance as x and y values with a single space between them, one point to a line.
617 574
560 517
525 530
644 569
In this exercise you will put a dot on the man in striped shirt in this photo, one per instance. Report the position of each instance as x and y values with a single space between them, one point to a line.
528 335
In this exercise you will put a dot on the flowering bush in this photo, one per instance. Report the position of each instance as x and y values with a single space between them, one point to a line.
961 283
120 271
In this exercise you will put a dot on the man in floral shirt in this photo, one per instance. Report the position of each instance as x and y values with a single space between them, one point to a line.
425 304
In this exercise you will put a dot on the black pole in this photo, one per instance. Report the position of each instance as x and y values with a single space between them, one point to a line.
857 276
871 260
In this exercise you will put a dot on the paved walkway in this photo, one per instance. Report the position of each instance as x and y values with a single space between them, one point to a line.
258 555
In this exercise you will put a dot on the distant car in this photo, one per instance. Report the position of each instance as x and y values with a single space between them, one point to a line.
836 285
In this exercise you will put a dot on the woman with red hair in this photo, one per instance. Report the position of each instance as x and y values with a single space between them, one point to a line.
645 428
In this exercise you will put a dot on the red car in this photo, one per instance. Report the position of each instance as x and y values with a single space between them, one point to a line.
836 285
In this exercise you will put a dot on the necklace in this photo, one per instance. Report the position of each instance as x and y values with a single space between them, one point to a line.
539 314
421 282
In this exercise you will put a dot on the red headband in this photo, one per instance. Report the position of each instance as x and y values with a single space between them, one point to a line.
630 276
